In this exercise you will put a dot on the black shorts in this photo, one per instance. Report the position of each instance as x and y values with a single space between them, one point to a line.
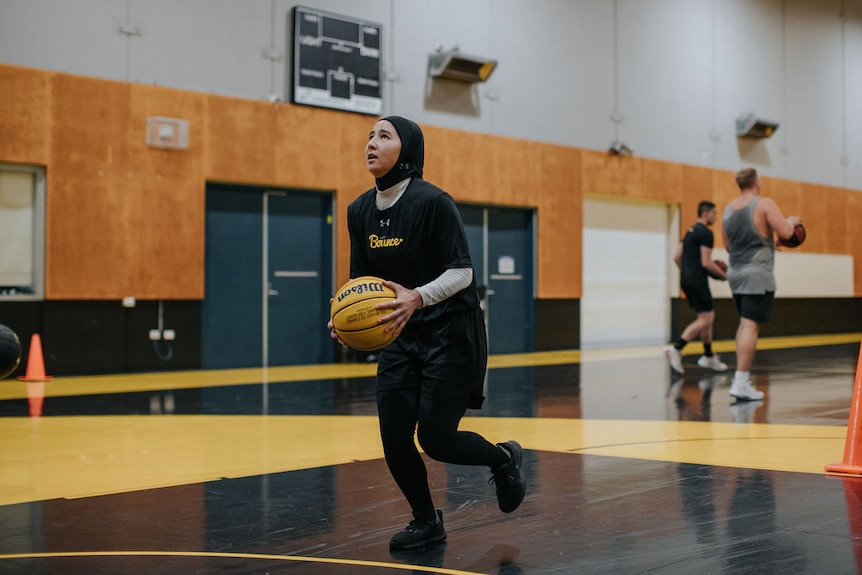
756 307
699 297
443 359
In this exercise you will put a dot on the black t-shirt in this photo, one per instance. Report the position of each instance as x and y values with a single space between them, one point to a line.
411 242
691 270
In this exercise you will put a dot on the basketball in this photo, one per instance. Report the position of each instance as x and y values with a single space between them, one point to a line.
354 318
796 239
722 265
10 351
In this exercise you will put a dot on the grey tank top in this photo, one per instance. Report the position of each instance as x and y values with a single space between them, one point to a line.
752 256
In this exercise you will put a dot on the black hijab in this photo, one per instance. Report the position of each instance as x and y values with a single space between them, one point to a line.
412 156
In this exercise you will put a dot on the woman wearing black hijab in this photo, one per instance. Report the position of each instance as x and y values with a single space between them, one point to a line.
409 232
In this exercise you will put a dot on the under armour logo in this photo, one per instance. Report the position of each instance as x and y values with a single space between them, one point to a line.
384 223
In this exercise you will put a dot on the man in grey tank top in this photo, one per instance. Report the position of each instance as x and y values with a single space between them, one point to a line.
749 227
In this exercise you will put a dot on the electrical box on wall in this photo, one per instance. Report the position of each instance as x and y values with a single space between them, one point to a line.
170 133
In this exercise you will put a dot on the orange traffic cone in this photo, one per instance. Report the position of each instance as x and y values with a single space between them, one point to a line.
853 445
35 362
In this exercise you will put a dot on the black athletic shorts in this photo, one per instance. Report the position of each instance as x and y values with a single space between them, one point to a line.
756 307
443 359
698 295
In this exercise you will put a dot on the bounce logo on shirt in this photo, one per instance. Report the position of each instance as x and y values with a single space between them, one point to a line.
375 241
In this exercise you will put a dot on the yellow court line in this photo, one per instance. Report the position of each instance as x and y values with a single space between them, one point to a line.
195 379
261 556
75 456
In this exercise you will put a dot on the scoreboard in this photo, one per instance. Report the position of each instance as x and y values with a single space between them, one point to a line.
336 62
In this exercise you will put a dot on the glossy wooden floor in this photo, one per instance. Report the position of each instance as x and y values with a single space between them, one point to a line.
630 470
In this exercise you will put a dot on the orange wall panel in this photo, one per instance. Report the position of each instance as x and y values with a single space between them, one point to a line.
560 223
167 216
25 120
241 136
461 163
88 190
514 172
813 210
838 225
307 151
662 181
127 219
608 175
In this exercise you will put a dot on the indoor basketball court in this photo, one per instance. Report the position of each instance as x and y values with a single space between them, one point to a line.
629 470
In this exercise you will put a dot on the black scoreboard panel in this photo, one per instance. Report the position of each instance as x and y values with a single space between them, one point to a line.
336 62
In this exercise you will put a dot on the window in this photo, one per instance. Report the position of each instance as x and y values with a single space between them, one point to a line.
22 232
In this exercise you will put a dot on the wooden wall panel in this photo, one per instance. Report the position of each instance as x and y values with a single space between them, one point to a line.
306 147
89 185
461 163
838 224
25 121
662 181
560 223
241 136
166 220
125 219
813 210
515 172
607 175
441 147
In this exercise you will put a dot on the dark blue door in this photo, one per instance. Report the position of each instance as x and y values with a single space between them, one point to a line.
300 277
510 280
501 247
268 277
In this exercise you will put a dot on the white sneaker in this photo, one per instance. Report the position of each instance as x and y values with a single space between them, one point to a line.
674 358
745 391
714 363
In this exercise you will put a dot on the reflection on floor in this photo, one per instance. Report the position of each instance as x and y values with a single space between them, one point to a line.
630 469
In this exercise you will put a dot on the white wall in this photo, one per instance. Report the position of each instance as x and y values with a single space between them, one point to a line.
800 274
676 72
626 278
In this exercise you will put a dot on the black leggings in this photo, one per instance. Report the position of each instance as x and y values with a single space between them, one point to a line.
403 411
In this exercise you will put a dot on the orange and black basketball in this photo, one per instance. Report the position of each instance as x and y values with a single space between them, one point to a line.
796 239
354 318
720 264
10 351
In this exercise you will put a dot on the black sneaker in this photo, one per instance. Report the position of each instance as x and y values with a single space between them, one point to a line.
511 487
419 533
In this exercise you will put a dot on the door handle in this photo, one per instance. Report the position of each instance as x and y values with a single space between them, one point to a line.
273 291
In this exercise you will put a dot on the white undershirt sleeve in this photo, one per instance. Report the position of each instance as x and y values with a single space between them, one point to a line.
446 285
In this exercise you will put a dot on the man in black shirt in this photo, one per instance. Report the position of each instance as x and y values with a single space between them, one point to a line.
694 258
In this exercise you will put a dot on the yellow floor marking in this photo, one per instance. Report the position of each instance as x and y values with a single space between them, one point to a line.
172 380
294 558
71 457
120 383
